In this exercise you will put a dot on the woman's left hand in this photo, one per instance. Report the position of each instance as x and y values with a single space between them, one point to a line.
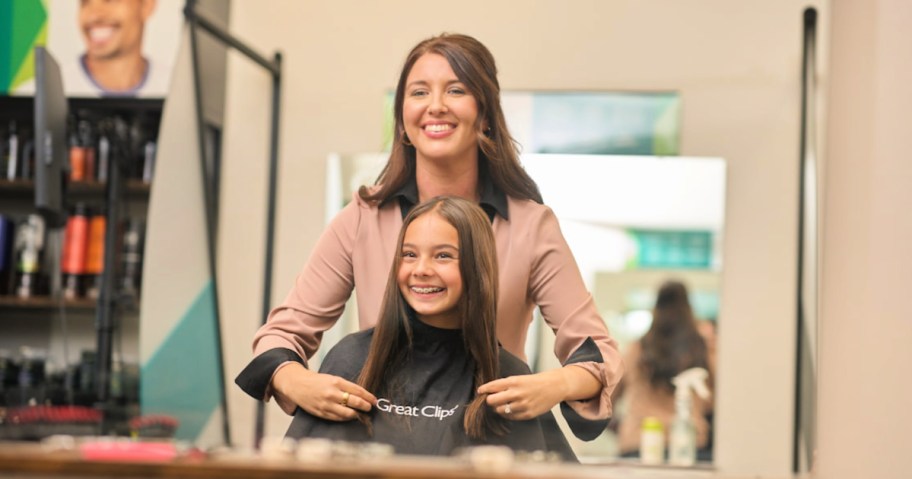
527 396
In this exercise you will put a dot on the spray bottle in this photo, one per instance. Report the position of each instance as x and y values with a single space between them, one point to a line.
683 434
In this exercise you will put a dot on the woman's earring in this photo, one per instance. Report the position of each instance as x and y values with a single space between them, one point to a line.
405 140
487 131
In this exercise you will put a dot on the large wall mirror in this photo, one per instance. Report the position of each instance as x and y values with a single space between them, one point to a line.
736 74
632 222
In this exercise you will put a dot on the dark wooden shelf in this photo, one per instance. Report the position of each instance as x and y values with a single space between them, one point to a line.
23 189
17 186
45 303
24 106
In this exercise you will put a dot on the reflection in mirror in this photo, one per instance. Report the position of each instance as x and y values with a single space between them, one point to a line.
632 222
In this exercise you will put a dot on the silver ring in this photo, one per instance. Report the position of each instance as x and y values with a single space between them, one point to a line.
507 409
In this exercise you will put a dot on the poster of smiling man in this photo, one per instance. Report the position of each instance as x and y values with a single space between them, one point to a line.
107 48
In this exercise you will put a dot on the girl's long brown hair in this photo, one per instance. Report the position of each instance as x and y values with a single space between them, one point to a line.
477 307
498 153
672 343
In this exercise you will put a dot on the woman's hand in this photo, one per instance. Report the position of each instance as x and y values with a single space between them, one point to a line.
323 395
529 396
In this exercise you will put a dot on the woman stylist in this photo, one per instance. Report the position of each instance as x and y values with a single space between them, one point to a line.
450 138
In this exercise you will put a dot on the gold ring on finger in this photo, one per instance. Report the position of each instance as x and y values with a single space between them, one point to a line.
344 400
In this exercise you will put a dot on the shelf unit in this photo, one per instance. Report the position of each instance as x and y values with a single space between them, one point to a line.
62 329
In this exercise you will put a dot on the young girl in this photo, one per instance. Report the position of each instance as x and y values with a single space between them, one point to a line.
434 345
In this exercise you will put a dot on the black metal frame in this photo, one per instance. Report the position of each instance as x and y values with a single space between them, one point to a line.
274 67
110 301
803 418
107 296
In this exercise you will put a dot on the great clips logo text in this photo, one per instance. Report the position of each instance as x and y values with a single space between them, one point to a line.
414 411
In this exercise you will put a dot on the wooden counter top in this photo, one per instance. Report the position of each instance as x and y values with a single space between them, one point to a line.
30 460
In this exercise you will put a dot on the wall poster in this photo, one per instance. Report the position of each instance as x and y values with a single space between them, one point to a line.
119 48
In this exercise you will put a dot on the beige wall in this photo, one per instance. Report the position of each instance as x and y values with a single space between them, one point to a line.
865 393
736 65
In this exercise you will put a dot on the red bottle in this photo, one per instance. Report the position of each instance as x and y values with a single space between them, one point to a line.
75 247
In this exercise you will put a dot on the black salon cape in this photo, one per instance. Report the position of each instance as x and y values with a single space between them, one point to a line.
434 386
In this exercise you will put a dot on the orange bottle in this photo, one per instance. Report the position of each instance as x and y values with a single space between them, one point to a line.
77 163
75 241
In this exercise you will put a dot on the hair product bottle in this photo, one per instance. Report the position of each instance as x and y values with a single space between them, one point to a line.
104 152
87 143
132 258
148 162
75 247
652 441
12 152
95 255
77 152
6 254
683 435
29 246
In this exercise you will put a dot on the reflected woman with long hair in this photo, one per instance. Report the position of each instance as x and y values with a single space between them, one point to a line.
672 345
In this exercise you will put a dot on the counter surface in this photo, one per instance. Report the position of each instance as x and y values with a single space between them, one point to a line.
34 461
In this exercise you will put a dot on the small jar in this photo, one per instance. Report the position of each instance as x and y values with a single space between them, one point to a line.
652 441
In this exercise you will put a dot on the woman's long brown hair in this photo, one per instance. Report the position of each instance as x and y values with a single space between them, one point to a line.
672 343
477 307
498 153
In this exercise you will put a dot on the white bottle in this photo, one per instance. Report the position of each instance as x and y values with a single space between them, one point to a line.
12 165
682 439
652 441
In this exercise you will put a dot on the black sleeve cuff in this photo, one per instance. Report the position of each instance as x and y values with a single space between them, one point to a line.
254 379
585 429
